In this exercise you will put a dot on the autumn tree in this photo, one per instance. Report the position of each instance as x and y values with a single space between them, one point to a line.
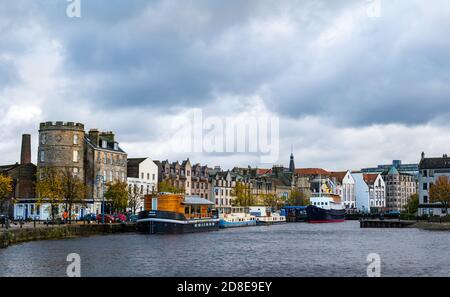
74 190
6 189
167 187
117 195
49 189
270 200
243 194
440 191
297 198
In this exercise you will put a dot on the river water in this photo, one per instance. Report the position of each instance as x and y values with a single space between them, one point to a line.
296 249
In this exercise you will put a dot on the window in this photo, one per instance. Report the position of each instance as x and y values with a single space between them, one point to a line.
142 175
153 177
425 186
75 156
43 138
425 173
42 156
75 139
104 144
148 175
154 203
116 146
111 175
425 199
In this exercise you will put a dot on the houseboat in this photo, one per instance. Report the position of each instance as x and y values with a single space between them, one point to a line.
325 208
266 217
169 213
237 217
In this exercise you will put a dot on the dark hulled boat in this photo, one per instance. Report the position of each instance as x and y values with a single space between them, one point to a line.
326 208
175 214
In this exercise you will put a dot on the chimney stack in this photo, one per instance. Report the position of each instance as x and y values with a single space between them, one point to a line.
25 153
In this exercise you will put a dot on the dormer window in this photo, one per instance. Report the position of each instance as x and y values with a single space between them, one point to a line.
104 144
116 146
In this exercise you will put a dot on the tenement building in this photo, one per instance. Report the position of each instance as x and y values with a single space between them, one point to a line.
430 169
105 163
399 188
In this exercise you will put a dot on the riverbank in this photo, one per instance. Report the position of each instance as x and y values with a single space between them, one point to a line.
430 226
14 236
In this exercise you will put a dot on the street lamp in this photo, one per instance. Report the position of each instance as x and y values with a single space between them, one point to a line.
101 179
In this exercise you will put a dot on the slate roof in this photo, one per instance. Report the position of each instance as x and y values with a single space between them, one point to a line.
435 163
196 200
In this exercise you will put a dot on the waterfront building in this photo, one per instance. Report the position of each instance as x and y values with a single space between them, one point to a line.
430 169
105 163
399 188
200 183
312 180
370 192
345 187
142 179
176 174
23 175
222 186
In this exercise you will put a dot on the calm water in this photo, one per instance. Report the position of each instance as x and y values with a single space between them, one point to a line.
283 250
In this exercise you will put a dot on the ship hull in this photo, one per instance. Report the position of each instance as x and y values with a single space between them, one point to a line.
172 223
320 215
225 224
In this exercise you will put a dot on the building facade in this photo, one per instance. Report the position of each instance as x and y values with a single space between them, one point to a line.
345 187
370 192
430 169
142 179
399 188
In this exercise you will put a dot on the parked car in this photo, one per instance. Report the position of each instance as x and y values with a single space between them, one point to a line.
133 218
91 217
119 218
108 218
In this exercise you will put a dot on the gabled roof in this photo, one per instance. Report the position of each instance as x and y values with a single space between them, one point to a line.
311 171
393 171
135 161
262 171
339 175
196 200
370 178
435 163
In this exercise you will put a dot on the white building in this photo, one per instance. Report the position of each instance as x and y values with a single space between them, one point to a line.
430 169
345 187
370 192
142 179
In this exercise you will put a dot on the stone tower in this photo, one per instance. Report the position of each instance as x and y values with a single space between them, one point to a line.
61 146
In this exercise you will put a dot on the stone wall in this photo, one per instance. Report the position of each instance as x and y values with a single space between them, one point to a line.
13 236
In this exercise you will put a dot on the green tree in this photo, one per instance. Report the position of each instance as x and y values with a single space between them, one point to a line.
270 200
243 194
297 198
440 191
166 187
413 204
117 195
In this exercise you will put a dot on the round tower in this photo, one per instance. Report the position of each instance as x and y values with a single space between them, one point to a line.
61 146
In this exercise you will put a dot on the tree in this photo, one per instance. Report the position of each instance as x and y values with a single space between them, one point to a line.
243 194
117 195
165 186
49 189
440 191
297 198
270 200
74 189
413 204
134 199
6 188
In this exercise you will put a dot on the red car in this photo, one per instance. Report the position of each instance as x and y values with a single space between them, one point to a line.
108 218
119 218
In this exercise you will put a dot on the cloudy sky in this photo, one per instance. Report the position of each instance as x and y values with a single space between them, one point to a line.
353 83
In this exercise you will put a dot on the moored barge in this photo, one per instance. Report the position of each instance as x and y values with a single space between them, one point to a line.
174 214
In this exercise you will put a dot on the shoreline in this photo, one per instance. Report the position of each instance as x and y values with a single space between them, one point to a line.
430 226
16 236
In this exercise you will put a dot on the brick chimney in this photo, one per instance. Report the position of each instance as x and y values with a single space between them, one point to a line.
25 153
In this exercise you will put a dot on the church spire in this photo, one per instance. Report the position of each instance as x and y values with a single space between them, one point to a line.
291 162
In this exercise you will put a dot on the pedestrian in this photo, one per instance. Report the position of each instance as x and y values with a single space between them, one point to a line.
65 216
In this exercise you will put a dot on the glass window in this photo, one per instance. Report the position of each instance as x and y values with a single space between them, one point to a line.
75 139
42 156
75 156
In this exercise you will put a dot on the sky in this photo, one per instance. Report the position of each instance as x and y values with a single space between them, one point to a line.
351 83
